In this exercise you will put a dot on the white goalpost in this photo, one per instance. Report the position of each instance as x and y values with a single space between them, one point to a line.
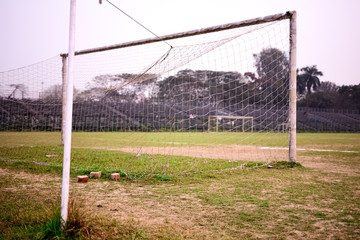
292 89
68 85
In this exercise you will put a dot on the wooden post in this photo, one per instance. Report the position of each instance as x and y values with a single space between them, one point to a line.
292 90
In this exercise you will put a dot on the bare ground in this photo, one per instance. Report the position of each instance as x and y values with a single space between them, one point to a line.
246 153
234 153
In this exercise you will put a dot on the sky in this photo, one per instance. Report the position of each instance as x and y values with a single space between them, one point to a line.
35 30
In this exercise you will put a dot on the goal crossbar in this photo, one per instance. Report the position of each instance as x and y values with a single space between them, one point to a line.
245 23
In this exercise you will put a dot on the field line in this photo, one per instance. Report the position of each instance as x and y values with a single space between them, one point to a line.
310 149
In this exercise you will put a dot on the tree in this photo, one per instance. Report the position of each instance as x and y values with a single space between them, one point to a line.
210 87
53 93
326 96
328 87
185 85
350 96
309 77
272 67
124 87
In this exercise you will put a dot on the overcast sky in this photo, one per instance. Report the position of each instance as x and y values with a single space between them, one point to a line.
35 30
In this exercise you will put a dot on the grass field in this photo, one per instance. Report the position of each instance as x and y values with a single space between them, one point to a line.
195 198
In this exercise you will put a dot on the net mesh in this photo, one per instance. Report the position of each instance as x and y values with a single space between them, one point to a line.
162 100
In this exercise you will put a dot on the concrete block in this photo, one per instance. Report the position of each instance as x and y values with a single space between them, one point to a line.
95 174
115 176
82 179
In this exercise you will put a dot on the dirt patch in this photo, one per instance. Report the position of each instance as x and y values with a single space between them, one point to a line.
234 153
183 215
23 181
322 163
246 153
44 187
21 175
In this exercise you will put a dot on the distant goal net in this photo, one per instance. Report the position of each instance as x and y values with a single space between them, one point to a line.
230 123
168 95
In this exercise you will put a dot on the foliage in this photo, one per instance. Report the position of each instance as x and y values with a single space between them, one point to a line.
268 85
329 95
53 93
309 78
313 93
272 65
125 87
211 87
312 79
325 97
228 88
350 96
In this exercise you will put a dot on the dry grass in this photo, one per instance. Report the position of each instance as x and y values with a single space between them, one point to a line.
260 203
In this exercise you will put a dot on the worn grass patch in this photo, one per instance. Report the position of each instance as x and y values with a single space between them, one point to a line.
48 159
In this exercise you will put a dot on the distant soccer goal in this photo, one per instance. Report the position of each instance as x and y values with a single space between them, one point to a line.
218 123
236 80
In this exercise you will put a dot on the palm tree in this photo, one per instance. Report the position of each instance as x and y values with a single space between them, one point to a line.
310 78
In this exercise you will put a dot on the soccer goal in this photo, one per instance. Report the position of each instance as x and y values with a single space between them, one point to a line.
230 123
222 92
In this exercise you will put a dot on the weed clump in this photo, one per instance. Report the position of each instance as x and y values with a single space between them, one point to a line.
80 224
83 224
284 165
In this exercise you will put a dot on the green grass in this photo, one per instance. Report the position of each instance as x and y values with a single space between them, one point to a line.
194 199
34 159
128 139
153 139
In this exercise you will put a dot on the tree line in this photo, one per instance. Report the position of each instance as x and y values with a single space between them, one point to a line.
267 85
313 93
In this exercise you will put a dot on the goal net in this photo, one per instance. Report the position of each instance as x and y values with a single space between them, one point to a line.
215 93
